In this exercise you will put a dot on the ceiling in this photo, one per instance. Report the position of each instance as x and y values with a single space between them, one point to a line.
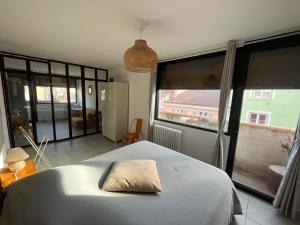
97 32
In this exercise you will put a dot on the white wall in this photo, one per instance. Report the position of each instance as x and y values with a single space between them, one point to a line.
118 74
139 96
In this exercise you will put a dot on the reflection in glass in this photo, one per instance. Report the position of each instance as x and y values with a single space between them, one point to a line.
44 125
101 100
18 95
90 102
76 107
60 100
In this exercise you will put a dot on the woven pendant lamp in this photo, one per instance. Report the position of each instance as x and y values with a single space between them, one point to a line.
140 58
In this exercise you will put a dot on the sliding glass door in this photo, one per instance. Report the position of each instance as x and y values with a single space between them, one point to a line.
43 99
77 119
19 104
90 103
60 102
268 117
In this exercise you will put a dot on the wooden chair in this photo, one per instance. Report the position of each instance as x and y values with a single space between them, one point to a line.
130 137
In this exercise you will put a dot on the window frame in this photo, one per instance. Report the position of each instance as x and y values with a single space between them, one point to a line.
156 113
258 113
261 97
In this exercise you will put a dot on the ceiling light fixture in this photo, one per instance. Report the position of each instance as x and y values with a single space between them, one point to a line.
140 58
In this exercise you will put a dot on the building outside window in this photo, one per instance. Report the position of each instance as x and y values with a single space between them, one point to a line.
260 118
262 94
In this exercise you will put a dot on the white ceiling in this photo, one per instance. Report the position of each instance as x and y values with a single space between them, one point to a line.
97 32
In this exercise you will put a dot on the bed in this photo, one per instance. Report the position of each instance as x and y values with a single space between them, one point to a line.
193 192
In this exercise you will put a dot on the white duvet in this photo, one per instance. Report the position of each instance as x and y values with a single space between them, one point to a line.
193 193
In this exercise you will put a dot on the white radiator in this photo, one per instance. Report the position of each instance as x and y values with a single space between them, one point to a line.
167 137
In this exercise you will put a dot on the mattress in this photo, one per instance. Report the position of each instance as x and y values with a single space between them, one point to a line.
193 192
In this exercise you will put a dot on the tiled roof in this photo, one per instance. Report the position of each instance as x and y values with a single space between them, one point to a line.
196 97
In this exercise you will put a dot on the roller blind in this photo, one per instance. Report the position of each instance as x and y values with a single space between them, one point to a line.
193 73
274 69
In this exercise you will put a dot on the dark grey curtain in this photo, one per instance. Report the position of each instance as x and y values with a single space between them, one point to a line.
152 104
227 75
287 199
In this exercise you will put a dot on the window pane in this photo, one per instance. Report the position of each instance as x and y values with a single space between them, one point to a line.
102 86
265 138
12 63
58 68
253 118
101 74
76 107
39 67
262 119
17 86
89 73
195 73
74 71
90 101
60 100
43 94
44 124
192 107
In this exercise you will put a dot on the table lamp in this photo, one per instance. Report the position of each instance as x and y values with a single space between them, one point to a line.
15 159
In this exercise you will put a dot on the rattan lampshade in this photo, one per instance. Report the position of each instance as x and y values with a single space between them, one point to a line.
140 58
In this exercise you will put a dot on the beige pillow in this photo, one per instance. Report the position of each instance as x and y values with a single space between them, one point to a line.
133 176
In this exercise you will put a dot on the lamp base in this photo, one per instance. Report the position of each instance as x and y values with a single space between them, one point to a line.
16 166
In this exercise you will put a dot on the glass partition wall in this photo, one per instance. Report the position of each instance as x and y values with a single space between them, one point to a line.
56 99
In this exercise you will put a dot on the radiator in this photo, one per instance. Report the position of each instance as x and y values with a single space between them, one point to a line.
167 137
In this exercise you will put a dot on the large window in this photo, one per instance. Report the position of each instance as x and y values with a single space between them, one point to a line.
189 91
192 107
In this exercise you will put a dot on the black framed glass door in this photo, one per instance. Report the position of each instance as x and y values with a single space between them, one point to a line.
76 99
60 105
19 104
51 98
42 103
264 115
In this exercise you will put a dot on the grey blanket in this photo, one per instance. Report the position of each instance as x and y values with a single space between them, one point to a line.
193 193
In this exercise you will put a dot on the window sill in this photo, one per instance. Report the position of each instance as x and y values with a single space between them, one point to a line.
191 126
187 125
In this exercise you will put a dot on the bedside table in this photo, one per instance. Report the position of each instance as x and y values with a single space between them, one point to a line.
7 177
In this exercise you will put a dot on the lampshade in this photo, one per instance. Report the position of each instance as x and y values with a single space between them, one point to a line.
15 159
15 155
140 58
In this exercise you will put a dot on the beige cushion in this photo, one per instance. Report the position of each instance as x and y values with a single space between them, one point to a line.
133 176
